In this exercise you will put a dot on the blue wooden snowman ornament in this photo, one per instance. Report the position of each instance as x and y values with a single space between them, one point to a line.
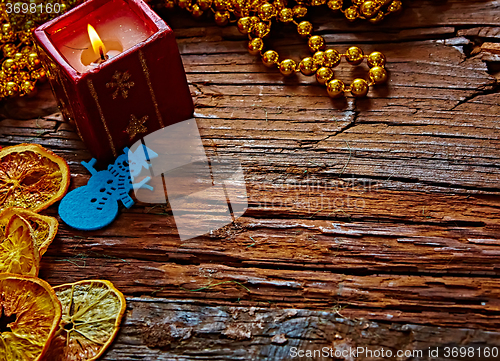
95 205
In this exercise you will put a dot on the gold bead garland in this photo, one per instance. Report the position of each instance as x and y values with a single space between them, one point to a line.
21 69
254 18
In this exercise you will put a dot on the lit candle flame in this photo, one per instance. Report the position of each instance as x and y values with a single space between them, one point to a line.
97 44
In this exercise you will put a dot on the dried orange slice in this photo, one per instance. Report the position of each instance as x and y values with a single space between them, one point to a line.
91 315
29 316
44 227
18 251
31 177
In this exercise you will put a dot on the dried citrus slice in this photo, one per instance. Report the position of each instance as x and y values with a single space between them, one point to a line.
31 177
18 251
91 316
29 316
44 227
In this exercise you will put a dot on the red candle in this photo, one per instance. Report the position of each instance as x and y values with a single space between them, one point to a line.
116 72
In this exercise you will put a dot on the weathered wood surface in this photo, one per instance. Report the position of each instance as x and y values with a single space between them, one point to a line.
372 222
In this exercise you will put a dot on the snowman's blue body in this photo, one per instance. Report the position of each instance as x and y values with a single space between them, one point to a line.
95 205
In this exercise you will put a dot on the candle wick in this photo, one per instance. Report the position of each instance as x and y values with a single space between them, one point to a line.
102 57
101 52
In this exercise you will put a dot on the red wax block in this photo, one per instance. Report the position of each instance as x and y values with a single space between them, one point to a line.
140 87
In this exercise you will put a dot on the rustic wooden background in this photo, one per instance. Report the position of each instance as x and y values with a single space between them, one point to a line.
371 222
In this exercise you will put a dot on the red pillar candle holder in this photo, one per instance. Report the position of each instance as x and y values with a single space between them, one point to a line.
120 89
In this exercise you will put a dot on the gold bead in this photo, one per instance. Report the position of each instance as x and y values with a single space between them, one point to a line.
245 25
23 76
270 58
222 17
9 50
335 4
323 75
378 75
28 25
354 55
11 89
255 46
286 15
220 5
316 43
26 50
351 13
335 88
359 88
369 8
25 37
21 60
6 29
39 75
255 19
267 12
204 4
307 66
357 2
27 87
238 5
279 4
261 30
378 18
287 67
244 12
8 34
299 11
184 4
319 58
395 6
376 59
318 2
8 38
332 58
304 28
33 61
4 77
196 11
10 67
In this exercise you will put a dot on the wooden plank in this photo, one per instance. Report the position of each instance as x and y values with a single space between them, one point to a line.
422 299
384 209
165 330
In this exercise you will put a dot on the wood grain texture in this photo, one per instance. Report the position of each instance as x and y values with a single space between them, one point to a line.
165 330
371 222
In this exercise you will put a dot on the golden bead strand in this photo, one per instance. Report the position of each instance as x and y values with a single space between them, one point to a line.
255 19
20 67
